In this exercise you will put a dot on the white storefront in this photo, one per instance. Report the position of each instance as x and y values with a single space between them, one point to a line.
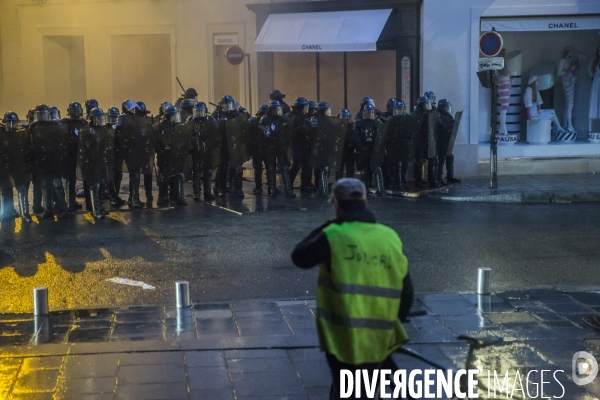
540 30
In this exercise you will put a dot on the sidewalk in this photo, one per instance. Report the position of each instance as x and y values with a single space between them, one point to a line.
268 349
566 188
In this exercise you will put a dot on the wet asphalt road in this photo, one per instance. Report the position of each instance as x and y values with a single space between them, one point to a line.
241 250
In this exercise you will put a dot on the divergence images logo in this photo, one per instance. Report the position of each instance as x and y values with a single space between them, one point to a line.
585 368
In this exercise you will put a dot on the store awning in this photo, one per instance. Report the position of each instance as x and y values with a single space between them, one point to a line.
533 24
322 31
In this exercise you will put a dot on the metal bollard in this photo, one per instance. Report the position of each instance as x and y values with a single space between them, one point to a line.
484 280
182 293
40 301
42 329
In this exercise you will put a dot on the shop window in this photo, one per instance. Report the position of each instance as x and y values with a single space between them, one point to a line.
405 79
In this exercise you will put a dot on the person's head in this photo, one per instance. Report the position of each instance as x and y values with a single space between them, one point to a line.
275 109
89 104
348 194
113 115
324 109
200 110
97 117
431 97
10 121
567 53
190 93
423 103
301 105
344 114
445 106
163 107
188 105
368 112
390 105
399 108
277 95
42 113
262 110
172 115
365 101
128 107
312 107
141 109
227 104
31 116
532 83
54 113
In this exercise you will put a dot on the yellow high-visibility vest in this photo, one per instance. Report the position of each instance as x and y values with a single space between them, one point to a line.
358 295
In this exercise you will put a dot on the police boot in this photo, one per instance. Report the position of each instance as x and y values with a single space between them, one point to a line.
432 172
221 181
196 178
287 182
47 200
173 187
206 179
294 172
324 182
419 182
148 189
37 198
257 181
134 191
73 205
450 170
59 198
379 184
163 192
115 189
363 177
305 185
86 195
180 181
23 203
97 211
238 172
273 192
7 209
317 172
229 180
402 169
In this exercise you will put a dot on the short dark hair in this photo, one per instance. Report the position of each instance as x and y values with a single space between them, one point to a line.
347 205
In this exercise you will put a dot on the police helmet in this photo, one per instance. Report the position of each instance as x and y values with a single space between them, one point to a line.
276 95
367 100
344 114
54 113
75 111
275 108
423 103
163 107
390 104
11 121
262 110
97 117
172 115
200 110
113 115
89 104
301 104
324 109
42 113
141 109
129 106
431 96
312 107
227 103
444 105
31 116
399 108
368 112
191 93
188 104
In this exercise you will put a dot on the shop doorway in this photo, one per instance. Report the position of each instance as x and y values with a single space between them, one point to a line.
64 70
226 76
141 69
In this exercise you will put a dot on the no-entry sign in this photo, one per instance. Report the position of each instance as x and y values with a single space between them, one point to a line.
235 55
490 43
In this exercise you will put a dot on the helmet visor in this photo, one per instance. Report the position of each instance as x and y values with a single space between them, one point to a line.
199 112
227 106
446 108
327 112
112 119
75 114
99 120
11 126
368 114
399 110
305 109
277 111
42 115
427 105
175 118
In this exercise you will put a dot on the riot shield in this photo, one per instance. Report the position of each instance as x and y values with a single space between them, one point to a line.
95 156
432 127
323 141
49 149
339 140
403 135
176 141
285 132
457 119
15 166
237 132
139 141
210 145
378 154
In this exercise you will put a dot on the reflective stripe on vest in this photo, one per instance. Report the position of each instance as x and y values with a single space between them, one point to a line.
355 322
348 288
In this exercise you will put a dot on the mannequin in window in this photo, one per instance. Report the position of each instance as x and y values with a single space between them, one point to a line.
533 104
504 86
567 67
594 72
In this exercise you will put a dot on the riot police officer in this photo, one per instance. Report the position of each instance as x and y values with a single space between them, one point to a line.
172 148
399 171
277 145
15 167
348 158
50 140
74 123
389 108
54 113
89 105
364 102
445 125
95 157
425 149
259 154
363 137
300 128
205 149
141 109
312 108
190 93
278 96
187 109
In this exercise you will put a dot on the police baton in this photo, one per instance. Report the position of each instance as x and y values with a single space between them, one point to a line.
182 88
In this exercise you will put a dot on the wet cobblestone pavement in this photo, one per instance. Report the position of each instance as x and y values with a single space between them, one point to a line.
268 349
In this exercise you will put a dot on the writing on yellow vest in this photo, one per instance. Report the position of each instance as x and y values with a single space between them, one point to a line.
358 295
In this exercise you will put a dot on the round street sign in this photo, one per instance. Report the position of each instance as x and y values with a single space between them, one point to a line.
235 55
490 43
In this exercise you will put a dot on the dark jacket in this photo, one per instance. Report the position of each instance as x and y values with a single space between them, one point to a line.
315 250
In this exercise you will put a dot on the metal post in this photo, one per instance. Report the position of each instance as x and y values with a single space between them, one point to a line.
40 301
484 304
182 293
41 325
345 80
318 77
249 84
484 281
493 140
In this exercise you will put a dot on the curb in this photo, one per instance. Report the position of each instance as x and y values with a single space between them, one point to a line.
523 198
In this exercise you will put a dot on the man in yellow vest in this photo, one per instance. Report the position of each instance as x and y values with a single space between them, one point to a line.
364 289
